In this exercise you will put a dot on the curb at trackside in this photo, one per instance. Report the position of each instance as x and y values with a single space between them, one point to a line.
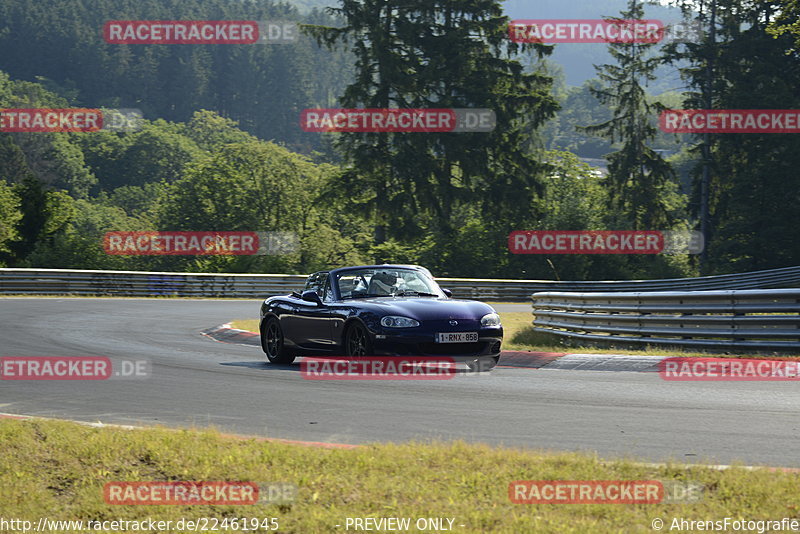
517 359
225 333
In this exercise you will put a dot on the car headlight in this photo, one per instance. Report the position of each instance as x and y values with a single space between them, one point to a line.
490 319
395 321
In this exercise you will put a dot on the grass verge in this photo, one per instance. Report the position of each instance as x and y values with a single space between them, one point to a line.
251 325
57 469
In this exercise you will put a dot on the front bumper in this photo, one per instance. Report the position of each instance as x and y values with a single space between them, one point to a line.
396 343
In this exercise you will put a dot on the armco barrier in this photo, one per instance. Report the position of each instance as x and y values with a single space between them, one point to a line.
754 319
146 284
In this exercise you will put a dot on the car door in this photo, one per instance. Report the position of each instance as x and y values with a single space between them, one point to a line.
311 326
293 320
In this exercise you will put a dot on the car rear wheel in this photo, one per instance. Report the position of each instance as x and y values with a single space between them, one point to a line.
486 363
357 341
272 342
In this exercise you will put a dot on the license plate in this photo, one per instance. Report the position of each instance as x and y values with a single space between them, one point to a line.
457 337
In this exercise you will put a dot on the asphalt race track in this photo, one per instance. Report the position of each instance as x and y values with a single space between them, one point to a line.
197 381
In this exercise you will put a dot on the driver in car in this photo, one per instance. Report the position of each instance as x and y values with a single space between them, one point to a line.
382 284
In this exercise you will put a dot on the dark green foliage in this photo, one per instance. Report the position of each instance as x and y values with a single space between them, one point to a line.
262 87
641 183
439 54
754 186
221 149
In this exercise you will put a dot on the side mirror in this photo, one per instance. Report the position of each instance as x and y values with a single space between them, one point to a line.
447 292
311 296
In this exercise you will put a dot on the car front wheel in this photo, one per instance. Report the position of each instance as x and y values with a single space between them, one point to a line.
272 342
357 341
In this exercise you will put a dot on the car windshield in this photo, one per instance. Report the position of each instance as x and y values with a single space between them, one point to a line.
382 282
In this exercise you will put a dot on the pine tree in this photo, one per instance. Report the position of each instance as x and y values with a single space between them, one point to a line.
438 54
753 186
641 183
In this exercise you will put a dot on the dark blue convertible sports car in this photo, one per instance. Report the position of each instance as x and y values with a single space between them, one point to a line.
379 310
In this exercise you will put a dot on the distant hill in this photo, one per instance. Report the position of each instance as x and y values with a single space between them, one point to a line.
311 4
576 60
308 5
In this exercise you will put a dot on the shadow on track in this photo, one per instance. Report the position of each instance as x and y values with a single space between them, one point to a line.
264 366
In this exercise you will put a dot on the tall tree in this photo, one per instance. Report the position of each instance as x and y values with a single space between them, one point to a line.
641 183
438 54
10 215
753 187
44 213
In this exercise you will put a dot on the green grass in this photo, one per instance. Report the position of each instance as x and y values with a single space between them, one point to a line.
251 325
57 469
520 336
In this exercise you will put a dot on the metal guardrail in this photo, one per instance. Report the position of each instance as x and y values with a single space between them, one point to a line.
147 284
773 278
488 289
752 319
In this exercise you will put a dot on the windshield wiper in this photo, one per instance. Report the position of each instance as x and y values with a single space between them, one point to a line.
404 292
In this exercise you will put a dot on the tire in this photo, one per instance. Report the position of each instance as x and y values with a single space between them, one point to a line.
357 341
272 343
485 363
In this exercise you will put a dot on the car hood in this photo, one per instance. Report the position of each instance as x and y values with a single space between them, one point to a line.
427 308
